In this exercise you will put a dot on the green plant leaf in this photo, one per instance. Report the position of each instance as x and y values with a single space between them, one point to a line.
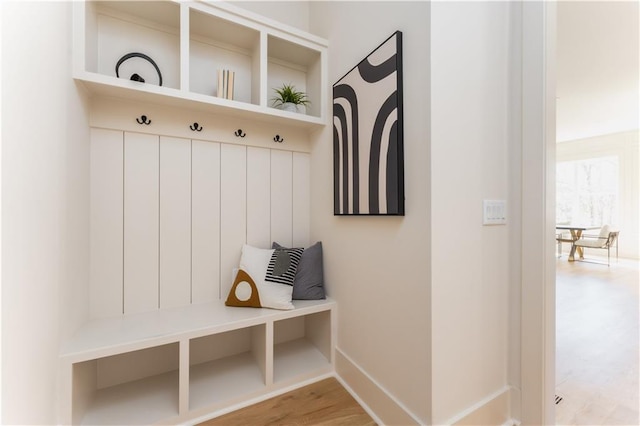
288 93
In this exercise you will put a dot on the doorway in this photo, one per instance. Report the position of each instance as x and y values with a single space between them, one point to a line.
596 311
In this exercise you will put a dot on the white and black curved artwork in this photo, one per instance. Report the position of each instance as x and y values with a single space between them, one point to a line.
368 167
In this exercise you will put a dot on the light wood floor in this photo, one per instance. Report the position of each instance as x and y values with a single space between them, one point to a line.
322 403
597 343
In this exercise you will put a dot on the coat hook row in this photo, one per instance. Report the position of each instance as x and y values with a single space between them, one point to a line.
196 127
143 120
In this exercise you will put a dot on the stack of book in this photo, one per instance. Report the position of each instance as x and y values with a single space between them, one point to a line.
225 83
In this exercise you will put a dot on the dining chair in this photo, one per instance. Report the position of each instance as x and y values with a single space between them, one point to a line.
605 240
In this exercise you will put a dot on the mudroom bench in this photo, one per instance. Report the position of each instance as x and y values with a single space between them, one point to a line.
174 365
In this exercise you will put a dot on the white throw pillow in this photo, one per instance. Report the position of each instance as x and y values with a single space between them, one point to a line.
254 262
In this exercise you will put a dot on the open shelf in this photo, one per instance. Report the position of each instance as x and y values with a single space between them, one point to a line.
190 42
226 366
296 357
224 379
157 395
106 86
217 44
291 63
117 28
301 345
139 387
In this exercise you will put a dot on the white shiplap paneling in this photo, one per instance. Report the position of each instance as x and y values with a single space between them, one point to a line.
106 198
233 210
141 224
175 222
301 220
169 216
281 197
259 197
205 207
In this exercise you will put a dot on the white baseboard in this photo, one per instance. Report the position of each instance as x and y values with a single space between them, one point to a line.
359 400
384 408
495 409
379 403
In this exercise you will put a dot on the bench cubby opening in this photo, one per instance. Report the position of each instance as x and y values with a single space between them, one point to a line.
227 365
138 387
302 346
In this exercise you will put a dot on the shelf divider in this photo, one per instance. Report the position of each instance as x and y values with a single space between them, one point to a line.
184 47
269 354
184 377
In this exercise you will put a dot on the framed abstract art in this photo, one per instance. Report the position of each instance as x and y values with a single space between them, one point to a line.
368 163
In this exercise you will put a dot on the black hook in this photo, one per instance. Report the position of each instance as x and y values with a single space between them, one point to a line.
239 133
196 127
278 139
143 120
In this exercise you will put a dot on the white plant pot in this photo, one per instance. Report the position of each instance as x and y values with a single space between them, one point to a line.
288 106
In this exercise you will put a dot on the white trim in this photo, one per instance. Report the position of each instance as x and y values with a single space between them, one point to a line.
511 422
549 142
380 388
1 363
478 405
359 400
537 337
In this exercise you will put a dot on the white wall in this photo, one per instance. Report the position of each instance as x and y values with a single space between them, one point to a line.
598 68
423 299
292 13
624 146
469 146
378 268
44 206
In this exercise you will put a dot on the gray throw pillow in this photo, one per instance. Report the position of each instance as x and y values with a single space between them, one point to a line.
309 280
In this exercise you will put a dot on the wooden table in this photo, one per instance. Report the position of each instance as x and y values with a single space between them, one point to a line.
576 233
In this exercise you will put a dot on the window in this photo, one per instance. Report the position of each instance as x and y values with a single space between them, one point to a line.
587 191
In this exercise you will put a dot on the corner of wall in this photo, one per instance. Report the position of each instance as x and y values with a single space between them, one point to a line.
375 399
74 293
495 409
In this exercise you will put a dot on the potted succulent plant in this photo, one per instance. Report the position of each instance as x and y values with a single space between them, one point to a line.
288 98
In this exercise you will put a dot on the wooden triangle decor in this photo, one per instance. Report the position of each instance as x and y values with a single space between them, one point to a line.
244 292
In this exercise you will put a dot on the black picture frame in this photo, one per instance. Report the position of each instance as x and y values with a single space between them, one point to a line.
368 137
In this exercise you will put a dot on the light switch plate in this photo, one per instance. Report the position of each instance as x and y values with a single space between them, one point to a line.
494 212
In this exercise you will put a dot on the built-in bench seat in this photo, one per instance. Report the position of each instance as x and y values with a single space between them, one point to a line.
192 360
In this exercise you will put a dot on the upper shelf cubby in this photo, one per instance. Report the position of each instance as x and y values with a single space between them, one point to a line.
295 64
114 29
191 42
217 44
